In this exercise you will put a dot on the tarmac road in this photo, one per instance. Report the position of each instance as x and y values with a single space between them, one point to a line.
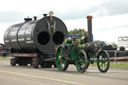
26 75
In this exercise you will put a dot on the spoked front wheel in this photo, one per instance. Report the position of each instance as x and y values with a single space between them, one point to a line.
103 62
81 61
61 61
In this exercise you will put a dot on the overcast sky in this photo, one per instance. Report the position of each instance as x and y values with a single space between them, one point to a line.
110 17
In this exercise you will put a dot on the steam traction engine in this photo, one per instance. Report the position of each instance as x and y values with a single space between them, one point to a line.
82 52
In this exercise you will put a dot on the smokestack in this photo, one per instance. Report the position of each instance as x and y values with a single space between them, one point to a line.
89 22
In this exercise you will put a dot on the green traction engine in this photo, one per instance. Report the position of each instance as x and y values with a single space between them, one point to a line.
75 51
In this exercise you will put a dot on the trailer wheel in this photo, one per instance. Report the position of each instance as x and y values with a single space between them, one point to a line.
13 61
35 63
103 62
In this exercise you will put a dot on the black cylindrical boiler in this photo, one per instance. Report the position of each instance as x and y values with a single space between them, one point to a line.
41 35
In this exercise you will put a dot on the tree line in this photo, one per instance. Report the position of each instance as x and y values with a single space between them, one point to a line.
80 31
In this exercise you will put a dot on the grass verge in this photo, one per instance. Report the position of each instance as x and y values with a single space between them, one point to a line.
3 58
119 65
116 65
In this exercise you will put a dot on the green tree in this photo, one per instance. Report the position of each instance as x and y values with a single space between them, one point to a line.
79 31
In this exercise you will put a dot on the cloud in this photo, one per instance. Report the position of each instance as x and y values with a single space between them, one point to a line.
104 8
76 13
11 16
112 7
67 10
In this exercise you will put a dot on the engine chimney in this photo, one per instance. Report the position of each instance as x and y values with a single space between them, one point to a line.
89 22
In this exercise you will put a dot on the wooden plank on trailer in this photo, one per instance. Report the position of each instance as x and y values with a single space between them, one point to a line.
22 55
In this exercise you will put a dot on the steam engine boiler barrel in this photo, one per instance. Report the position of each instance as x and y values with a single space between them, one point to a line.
41 35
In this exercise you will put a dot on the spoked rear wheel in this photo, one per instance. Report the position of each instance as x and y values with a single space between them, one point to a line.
103 63
61 61
81 61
